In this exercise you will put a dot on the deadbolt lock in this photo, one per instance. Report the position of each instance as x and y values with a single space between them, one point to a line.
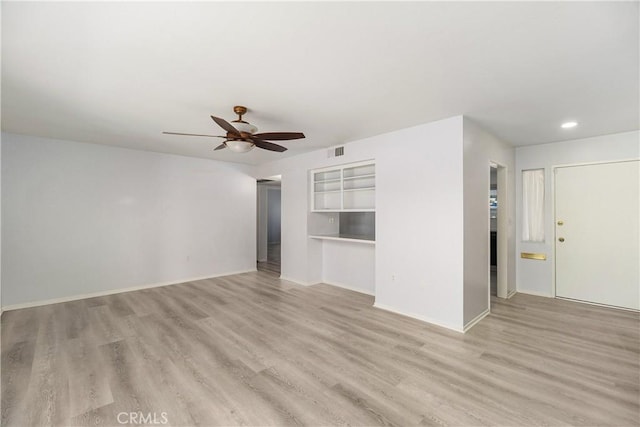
561 239
560 222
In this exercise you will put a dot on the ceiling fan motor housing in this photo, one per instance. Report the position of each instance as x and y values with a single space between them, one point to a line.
244 127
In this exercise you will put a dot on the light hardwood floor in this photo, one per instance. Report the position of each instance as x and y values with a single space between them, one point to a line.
253 350
272 264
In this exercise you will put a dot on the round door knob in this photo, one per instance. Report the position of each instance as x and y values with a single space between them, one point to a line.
561 239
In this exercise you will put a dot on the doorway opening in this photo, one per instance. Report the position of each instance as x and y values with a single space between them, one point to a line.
268 228
493 231
497 232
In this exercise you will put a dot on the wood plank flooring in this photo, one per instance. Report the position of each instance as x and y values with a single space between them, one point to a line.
253 350
272 264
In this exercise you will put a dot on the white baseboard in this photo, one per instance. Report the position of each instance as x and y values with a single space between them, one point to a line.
349 287
418 317
478 318
262 260
115 291
511 293
296 281
615 307
538 294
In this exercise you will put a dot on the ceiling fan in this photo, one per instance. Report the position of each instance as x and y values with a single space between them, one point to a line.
242 137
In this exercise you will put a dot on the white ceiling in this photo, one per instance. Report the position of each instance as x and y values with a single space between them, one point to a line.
121 73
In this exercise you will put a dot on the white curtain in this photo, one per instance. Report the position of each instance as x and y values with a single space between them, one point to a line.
533 205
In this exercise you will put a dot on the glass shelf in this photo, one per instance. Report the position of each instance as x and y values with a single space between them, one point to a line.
347 178
328 191
332 175
358 171
322 186
359 182
359 189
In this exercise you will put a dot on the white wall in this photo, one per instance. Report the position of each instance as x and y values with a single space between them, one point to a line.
480 150
80 218
300 257
349 265
419 220
536 277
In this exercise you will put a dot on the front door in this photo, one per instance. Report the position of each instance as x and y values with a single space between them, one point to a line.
597 233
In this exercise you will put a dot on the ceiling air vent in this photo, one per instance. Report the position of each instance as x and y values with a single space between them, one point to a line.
336 152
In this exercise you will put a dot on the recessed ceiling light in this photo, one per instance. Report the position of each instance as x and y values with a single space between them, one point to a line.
568 125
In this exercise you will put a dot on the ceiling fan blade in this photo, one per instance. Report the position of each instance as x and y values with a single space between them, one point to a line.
279 136
220 147
267 145
226 126
192 134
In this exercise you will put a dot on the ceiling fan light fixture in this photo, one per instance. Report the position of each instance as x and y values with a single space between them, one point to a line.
244 127
239 145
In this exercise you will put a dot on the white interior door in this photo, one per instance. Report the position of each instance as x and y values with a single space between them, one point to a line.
597 233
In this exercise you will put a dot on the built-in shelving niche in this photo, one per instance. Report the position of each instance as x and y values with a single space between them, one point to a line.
358 226
344 188
343 202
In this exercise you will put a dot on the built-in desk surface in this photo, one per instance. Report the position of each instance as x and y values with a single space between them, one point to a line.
369 240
